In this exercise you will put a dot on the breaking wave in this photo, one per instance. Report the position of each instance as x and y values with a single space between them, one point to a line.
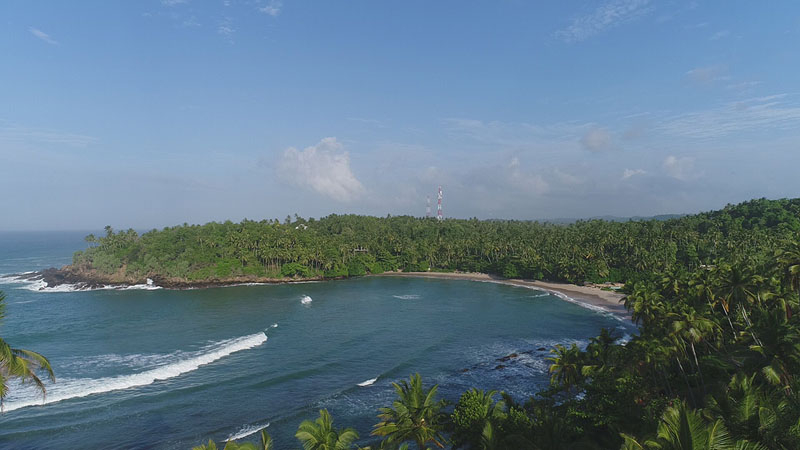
67 389
369 382
42 286
247 430
407 297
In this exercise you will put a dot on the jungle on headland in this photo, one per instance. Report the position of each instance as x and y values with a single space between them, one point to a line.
714 365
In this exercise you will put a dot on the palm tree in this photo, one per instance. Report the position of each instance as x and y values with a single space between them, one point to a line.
414 416
691 328
789 258
567 366
472 419
682 428
645 303
739 286
20 364
320 434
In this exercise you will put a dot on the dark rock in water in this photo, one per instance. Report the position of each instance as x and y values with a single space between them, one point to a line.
499 367
541 349
464 370
507 357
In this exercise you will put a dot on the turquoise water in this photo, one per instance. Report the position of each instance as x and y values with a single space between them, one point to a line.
169 369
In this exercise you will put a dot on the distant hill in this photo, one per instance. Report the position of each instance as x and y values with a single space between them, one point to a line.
661 217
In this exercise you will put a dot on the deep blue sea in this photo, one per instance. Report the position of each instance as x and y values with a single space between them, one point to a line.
170 369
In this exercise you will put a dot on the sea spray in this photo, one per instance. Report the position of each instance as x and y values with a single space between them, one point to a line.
247 430
67 389
369 382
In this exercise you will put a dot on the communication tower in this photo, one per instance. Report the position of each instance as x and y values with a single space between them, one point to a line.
439 206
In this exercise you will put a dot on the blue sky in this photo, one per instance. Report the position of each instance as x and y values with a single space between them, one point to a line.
152 113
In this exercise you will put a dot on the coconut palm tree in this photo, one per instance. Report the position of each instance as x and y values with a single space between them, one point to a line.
472 419
416 415
320 434
682 428
789 258
566 369
20 364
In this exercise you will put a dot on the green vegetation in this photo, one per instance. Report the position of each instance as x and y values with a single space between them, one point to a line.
339 246
20 364
715 363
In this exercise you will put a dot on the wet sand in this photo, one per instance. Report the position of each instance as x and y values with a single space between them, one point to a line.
596 297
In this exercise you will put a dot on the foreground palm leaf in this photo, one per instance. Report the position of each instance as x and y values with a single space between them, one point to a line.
414 416
20 364
320 434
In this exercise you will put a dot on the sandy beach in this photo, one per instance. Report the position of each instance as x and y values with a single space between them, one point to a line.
589 295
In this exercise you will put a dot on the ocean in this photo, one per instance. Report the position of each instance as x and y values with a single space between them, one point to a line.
168 369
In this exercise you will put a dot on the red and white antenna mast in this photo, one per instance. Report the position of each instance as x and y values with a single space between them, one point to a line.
439 205
428 207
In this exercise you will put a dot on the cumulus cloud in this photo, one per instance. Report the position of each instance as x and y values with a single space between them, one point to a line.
226 29
707 74
627 173
43 36
774 112
607 16
597 139
527 182
323 168
719 35
272 8
679 168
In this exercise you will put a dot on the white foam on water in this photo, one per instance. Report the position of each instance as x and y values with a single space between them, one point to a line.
66 389
565 297
369 382
247 430
26 301
407 297
306 300
42 286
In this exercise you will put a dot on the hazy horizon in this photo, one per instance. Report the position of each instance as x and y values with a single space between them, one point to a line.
150 114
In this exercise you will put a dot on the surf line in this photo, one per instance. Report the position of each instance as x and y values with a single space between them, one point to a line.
82 387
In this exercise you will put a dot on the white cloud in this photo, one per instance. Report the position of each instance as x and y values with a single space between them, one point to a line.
679 168
743 86
719 35
273 8
555 136
527 182
707 74
567 178
226 29
40 136
632 172
597 139
173 2
774 112
190 22
323 168
43 36
607 16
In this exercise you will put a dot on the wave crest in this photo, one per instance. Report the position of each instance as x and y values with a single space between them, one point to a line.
81 387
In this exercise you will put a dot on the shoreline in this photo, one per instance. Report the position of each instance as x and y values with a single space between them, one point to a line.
56 280
594 297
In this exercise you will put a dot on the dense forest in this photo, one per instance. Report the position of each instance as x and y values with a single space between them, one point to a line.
339 246
715 364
